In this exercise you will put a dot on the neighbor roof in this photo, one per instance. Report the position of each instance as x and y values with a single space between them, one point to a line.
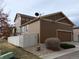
31 21
24 16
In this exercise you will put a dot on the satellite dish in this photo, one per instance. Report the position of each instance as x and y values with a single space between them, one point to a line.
36 14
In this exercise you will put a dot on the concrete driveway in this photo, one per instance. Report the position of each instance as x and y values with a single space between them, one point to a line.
72 53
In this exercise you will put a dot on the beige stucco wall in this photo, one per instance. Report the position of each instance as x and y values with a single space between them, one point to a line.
18 23
76 34
34 27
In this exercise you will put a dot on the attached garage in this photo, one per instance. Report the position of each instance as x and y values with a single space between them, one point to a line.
64 35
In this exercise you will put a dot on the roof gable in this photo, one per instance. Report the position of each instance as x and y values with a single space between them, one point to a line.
65 20
59 16
23 16
54 16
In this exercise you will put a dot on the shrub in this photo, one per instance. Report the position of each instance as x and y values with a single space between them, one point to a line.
13 58
67 46
53 44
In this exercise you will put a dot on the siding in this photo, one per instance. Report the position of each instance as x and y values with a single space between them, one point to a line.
48 29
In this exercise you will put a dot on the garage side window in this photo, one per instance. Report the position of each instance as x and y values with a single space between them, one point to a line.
24 29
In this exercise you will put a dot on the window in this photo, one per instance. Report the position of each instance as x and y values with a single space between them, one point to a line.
18 30
24 29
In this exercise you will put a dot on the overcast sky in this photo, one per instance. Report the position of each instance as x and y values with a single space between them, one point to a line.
29 7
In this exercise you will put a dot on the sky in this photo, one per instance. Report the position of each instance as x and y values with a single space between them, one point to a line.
69 7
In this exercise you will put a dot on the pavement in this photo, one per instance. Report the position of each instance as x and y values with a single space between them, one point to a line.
49 54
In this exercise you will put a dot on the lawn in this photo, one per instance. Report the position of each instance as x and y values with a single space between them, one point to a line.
19 52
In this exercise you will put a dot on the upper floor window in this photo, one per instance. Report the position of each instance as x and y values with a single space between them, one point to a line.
24 28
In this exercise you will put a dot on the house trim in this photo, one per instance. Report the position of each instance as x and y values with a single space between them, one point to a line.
63 30
60 19
51 14
49 20
68 19
64 23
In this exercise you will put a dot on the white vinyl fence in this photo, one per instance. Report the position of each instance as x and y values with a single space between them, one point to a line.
25 40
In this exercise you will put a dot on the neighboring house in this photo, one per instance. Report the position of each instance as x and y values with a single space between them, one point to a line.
51 25
76 34
21 19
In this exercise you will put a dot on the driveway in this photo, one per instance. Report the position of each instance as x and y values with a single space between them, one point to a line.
63 54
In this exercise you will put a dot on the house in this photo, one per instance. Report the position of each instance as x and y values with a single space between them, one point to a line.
51 25
21 19
76 34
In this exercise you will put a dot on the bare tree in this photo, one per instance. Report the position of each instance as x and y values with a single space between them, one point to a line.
4 25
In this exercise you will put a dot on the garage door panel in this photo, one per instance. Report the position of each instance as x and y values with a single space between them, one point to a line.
64 36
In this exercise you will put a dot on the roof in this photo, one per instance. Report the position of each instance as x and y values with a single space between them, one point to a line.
53 16
31 21
24 16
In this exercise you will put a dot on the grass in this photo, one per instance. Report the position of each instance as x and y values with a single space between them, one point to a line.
19 52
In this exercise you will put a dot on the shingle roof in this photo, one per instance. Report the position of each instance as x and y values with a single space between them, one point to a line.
54 16
24 16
